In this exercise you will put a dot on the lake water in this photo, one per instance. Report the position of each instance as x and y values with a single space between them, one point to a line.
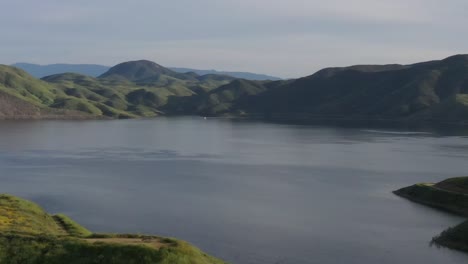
247 192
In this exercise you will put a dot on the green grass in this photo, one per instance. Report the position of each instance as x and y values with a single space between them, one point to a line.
423 92
121 98
77 104
454 237
16 249
21 216
426 92
450 195
20 84
28 235
221 100
110 97
431 195
71 227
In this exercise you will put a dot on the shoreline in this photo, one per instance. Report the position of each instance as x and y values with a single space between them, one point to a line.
449 196
359 121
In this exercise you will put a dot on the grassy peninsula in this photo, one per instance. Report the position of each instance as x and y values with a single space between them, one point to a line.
450 195
29 235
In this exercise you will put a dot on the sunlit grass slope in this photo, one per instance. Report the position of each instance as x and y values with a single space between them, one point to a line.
434 91
28 235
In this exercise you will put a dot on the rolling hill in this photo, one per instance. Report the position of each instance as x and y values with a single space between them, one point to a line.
132 89
30 235
434 91
24 97
144 71
128 90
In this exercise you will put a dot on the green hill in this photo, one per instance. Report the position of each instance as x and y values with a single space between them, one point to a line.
131 89
431 91
144 71
434 91
221 100
454 237
20 84
24 97
450 195
28 235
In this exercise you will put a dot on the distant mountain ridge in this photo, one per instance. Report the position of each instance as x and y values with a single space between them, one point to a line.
40 71
239 75
94 70
433 91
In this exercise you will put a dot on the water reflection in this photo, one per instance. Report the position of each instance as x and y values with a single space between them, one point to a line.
244 191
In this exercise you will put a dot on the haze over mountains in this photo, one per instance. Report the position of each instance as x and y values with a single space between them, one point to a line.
40 71
94 70
430 91
240 75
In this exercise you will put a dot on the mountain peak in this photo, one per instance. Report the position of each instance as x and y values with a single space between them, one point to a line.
141 63
137 71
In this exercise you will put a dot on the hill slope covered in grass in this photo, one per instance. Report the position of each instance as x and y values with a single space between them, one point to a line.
24 97
141 89
454 237
450 195
434 91
28 235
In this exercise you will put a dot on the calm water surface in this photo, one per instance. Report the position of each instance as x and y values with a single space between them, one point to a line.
243 191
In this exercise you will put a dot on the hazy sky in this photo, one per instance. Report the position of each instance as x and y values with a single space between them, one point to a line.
288 38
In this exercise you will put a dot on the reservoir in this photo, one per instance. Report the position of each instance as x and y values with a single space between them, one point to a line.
246 192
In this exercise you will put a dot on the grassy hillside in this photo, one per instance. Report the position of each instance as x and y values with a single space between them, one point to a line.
221 100
438 195
450 195
29 235
24 97
130 90
20 84
22 216
91 95
435 91
426 91
454 237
